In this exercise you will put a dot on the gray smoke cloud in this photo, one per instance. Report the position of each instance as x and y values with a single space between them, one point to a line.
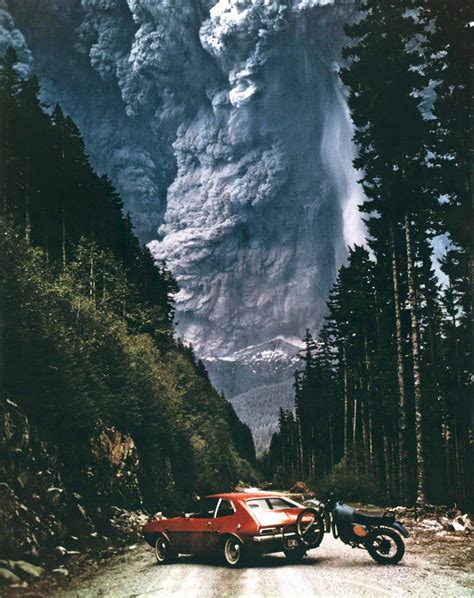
225 128
11 37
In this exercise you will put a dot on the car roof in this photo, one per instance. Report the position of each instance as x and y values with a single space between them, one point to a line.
244 495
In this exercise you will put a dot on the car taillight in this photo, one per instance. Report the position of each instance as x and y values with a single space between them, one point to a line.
268 531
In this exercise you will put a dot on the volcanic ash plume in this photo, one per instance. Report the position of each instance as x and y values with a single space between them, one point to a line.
230 138
254 227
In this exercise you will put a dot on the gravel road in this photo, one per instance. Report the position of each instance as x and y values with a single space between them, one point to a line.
332 570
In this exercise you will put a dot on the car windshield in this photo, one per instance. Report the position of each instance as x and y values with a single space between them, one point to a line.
206 508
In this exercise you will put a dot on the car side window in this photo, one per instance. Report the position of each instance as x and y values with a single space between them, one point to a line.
225 508
207 508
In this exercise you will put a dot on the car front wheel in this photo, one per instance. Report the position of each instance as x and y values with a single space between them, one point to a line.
163 552
232 552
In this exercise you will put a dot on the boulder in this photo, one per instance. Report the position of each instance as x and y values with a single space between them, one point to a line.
7 576
458 525
431 524
61 571
300 488
29 569
60 551
447 524
54 496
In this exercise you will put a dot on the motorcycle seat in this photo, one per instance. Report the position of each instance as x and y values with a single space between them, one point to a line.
373 517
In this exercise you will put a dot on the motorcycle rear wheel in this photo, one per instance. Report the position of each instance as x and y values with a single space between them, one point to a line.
385 546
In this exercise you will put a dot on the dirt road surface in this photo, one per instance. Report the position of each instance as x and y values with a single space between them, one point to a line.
332 570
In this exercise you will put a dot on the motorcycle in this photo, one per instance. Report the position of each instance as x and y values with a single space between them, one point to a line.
378 533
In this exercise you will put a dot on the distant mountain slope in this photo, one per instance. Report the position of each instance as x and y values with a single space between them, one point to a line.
258 381
264 364
259 408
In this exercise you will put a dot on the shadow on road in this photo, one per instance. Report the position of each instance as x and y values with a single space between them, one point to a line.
273 561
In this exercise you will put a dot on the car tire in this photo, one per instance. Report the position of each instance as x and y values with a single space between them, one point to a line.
164 553
232 552
295 555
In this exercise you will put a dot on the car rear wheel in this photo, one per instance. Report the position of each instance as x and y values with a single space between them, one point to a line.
295 555
163 552
232 551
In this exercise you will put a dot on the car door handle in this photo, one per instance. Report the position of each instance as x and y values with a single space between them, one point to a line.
208 523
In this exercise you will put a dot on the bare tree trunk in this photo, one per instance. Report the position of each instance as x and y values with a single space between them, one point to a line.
389 473
331 443
446 442
91 275
300 453
403 452
63 238
355 452
370 443
365 436
27 202
415 344
346 405
354 424
4 139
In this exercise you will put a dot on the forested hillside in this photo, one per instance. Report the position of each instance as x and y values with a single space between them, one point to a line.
87 317
383 402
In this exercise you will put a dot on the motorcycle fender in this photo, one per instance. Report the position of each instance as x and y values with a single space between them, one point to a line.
400 528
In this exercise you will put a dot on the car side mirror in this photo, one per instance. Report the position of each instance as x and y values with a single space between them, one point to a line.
186 515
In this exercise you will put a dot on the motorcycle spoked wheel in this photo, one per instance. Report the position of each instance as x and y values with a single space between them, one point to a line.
310 528
385 546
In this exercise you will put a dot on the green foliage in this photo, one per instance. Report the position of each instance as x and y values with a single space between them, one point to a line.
282 478
349 485
86 323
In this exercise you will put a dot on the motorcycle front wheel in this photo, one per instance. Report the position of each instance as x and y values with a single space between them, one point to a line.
385 546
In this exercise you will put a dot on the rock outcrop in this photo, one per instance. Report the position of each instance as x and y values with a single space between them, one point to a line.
50 510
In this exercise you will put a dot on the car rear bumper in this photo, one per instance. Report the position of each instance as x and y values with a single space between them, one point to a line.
272 537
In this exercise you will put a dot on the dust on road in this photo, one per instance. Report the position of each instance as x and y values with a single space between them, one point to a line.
331 570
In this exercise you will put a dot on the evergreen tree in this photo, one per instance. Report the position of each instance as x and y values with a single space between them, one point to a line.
385 80
387 385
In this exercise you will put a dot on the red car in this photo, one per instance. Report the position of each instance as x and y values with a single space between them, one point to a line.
233 526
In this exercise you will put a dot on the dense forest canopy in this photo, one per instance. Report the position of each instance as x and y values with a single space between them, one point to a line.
383 402
87 317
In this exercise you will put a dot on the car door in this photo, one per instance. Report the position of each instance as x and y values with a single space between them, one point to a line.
225 521
197 536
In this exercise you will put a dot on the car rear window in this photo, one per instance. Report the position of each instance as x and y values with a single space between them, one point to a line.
259 503
280 503
270 504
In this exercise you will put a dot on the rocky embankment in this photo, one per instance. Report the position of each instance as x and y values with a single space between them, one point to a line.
53 508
